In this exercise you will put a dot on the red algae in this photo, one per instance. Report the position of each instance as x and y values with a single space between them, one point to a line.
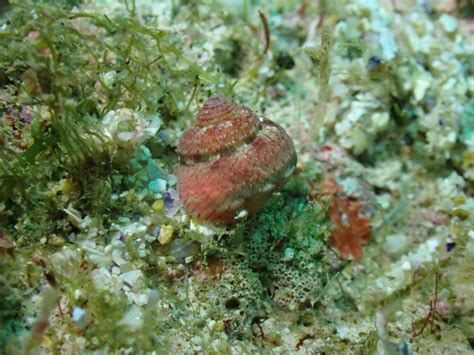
351 230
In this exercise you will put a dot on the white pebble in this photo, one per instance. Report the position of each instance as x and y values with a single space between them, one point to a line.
78 315
131 277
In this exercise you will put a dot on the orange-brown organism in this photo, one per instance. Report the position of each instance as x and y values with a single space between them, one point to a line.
231 161
352 227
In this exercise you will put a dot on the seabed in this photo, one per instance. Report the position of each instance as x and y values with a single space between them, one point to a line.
367 249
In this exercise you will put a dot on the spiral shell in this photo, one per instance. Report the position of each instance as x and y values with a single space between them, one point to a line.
231 161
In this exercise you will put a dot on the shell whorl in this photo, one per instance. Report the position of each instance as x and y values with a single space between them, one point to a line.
231 161
221 126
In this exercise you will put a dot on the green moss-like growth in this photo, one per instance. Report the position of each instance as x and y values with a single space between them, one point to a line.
61 71
285 248
11 312
275 261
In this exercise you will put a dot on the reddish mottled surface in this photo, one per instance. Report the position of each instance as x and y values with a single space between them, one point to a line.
221 125
216 189
351 228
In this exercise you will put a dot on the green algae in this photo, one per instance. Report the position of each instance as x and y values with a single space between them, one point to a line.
11 304
286 245
55 73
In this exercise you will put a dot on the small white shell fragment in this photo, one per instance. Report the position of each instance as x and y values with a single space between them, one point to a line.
139 299
78 315
388 44
383 201
109 77
242 214
396 244
448 23
133 318
126 267
131 277
196 340
77 294
117 257
406 265
268 187
288 254
380 120
205 229
73 215
422 83
128 128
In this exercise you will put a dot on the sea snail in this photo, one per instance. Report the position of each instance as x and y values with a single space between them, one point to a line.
231 161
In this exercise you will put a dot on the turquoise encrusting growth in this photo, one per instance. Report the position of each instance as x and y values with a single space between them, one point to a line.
366 248
287 246
467 124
